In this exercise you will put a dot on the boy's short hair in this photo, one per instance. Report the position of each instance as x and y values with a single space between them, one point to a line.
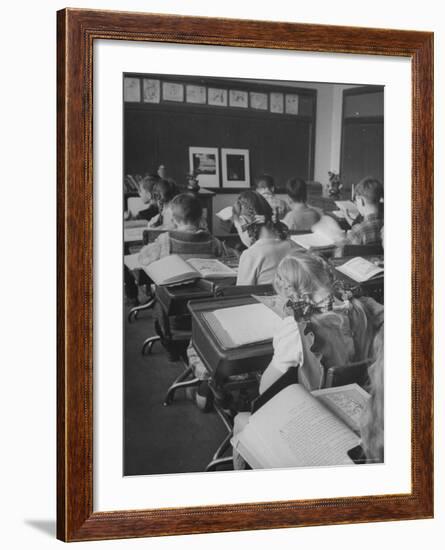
370 189
186 208
265 181
296 189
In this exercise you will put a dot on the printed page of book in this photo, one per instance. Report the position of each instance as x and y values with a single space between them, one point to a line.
294 429
171 270
132 261
211 267
347 402
248 324
349 206
360 269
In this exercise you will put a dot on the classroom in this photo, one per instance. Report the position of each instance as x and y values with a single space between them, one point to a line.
253 274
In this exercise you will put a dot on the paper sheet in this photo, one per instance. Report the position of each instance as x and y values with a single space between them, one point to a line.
132 261
248 324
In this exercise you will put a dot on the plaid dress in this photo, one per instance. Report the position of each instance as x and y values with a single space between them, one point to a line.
366 232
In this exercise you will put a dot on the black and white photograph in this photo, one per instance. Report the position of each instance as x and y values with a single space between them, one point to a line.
253 299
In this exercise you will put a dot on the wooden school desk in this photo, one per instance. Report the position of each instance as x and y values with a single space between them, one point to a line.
220 362
374 288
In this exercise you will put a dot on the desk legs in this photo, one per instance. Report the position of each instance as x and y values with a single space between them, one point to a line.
181 382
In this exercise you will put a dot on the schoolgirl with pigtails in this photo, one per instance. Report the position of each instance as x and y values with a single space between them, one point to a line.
265 237
323 325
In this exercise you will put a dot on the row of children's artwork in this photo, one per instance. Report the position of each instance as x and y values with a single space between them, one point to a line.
153 90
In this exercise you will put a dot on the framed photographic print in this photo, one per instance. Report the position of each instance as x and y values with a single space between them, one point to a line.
164 363
204 164
235 168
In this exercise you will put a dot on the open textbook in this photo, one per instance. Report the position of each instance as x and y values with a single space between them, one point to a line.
360 270
348 206
297 428
242 325
173 270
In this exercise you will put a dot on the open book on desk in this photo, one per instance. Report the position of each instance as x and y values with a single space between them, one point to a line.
360 270
174 270
348 206
297 428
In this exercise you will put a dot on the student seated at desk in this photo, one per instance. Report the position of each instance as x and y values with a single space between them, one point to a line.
301 217
265 237
188 241
186 238
265 186
343 326
318 330
163 193
146 193
368 199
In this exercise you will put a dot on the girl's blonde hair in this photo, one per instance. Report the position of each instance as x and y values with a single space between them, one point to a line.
372 421
302 274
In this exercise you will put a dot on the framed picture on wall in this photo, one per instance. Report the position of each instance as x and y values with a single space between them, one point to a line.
235 168
204 164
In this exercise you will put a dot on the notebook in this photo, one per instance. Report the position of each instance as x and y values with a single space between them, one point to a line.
173 270
242 325
296 428
360 270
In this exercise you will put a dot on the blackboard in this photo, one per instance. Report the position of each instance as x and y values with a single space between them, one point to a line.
281 145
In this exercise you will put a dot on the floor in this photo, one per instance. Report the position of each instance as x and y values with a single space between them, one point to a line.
157 439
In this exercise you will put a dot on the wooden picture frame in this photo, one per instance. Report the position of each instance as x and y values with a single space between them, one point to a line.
77 31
